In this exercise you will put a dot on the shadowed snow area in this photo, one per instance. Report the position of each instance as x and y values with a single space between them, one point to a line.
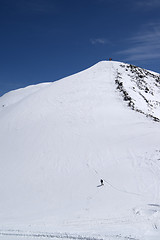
57 140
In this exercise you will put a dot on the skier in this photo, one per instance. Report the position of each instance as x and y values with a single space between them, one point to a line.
102 182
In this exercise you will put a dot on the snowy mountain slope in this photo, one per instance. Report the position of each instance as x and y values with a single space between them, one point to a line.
140 88
19 94
58 140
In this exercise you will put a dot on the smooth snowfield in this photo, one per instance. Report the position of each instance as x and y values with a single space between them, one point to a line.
57 140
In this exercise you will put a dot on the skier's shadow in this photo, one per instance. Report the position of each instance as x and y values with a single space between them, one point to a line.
100 185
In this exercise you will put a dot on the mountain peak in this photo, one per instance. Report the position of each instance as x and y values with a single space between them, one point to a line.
138 87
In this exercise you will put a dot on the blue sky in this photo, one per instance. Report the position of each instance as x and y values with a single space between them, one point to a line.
45 40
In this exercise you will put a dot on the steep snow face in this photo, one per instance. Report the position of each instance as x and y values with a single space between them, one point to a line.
59 139
141 88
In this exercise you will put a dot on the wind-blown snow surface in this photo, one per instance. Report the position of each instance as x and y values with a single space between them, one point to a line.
57 140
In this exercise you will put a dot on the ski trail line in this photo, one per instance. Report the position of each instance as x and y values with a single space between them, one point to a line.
115 188
120 190
12 233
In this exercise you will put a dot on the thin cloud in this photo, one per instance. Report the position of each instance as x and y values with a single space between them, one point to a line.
148 3
99 41
144 45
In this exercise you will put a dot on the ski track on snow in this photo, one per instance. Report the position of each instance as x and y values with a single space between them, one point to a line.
16 234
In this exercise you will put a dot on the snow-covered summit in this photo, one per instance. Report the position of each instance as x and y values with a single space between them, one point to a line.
57 140
139 88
